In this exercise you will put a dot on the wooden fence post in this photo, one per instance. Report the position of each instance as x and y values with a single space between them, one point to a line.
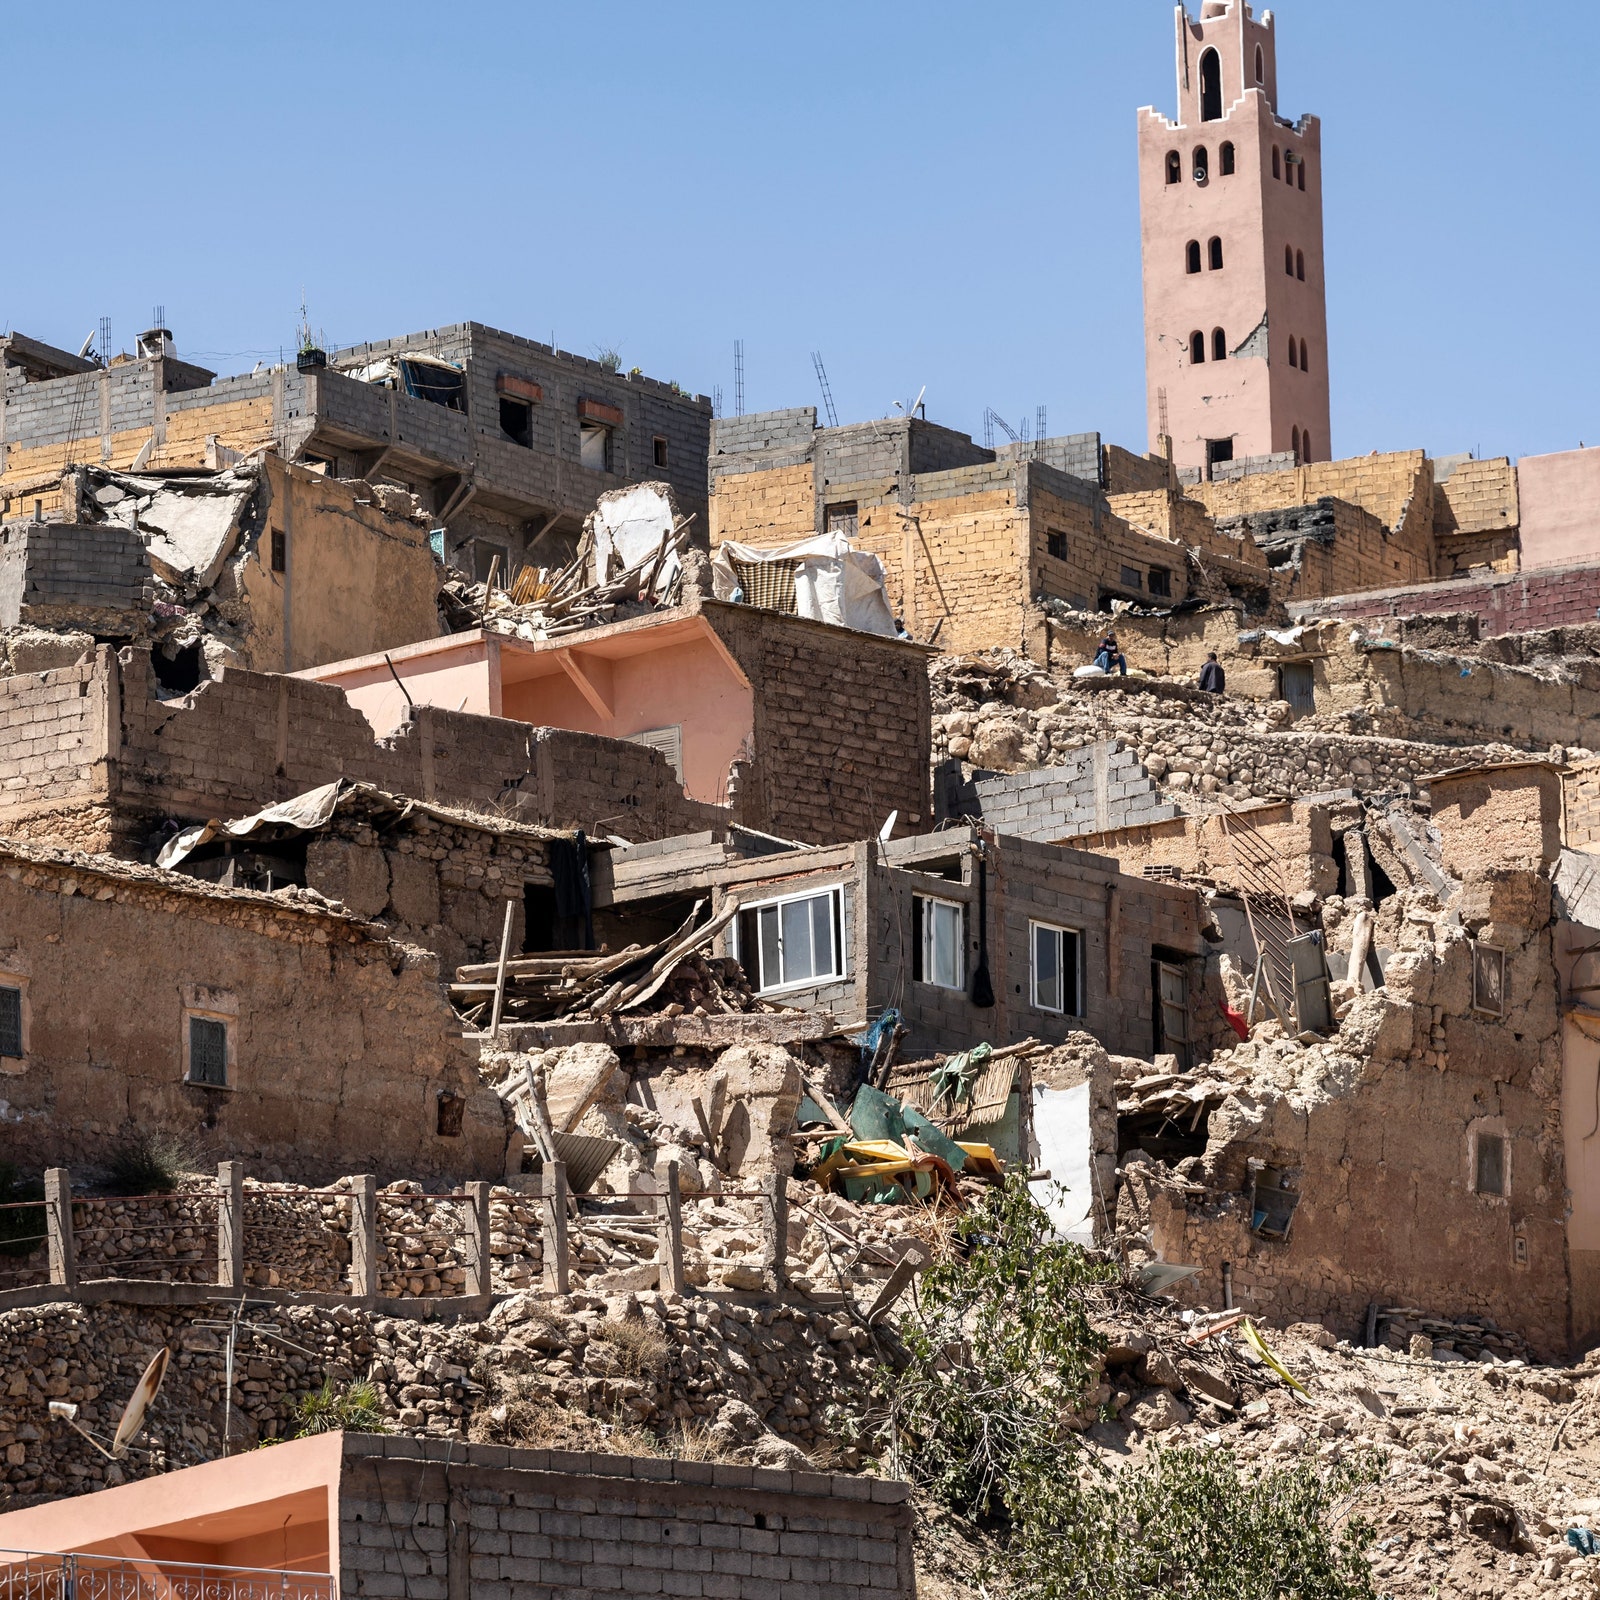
230 1224
669 1230
553 1186
479 1261
775 1231
58 1227
364 1236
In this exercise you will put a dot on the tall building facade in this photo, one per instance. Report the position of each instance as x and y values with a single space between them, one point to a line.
1235 308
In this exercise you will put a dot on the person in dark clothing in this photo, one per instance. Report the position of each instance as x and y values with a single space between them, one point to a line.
1109 656
1213 680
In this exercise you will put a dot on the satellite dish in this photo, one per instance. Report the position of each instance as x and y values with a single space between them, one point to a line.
139 1401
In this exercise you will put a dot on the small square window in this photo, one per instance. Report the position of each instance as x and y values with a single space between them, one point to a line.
516 421
208 1052
594 446
793 942
10 1021
658 448
938 943
280 550
1489 1165
1055 543
1130 578
841 518
1161 582
452 1108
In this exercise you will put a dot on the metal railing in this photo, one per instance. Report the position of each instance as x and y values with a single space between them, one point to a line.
34 1575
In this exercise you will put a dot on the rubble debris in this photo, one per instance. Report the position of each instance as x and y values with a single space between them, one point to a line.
631 555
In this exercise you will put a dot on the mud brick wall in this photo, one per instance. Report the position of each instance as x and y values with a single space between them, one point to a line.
1580 801
248 739
1384 485
1504 603
350 1071
548 1522
850 710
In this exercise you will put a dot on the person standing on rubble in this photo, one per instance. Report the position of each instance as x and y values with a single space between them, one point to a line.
1213 680
1109 656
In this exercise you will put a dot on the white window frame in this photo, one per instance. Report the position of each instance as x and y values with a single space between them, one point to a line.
931 903
600 432
835 893
1060 930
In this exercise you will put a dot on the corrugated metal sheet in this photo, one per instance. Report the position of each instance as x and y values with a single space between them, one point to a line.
586 1158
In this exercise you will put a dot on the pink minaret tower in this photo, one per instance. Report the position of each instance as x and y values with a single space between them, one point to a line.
1235 307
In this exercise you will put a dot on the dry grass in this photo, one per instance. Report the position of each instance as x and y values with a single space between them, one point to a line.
642 1350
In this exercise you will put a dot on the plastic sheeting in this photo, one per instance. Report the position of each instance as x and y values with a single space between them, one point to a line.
1061 1127
304 812
833 581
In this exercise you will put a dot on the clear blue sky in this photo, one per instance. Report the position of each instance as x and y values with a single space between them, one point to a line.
934 194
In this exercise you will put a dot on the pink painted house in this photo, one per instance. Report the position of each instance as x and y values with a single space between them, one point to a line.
808 731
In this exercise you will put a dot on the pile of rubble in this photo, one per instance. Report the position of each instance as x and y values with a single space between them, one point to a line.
999 712
632 557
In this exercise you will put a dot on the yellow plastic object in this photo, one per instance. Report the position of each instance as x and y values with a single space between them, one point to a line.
982 1161
1259 1345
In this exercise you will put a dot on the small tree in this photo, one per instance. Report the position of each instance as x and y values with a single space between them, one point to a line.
355 1408
998 1356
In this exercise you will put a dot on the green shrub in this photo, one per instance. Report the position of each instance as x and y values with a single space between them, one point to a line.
150 1163
22 1231
354 1408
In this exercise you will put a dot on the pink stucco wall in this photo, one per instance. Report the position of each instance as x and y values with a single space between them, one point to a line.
689 684
1560 498
677 673
1255 397
265 1508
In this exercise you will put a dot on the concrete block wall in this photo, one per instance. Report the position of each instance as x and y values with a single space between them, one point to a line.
1384 485
99 567
413 1513
1473 496
763 431
1100 787
1077 454
1521 602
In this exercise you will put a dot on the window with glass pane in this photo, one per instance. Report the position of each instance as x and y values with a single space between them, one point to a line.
1057 964
10 1022
1047 968
208 1051
798 940
942 952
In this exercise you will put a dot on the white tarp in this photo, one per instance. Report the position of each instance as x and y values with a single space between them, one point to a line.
833 581
304 812
1061 1129
628 526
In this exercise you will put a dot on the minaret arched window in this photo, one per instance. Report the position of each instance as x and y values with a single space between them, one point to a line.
1300 265
1211 87
1294 357
1216 255
1174 167
1197 348
1305 365
1219 345
1305 445
1288 259
1202 164
1261 65
1300 172
1277 162
1192 255
1225 161
1296 444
